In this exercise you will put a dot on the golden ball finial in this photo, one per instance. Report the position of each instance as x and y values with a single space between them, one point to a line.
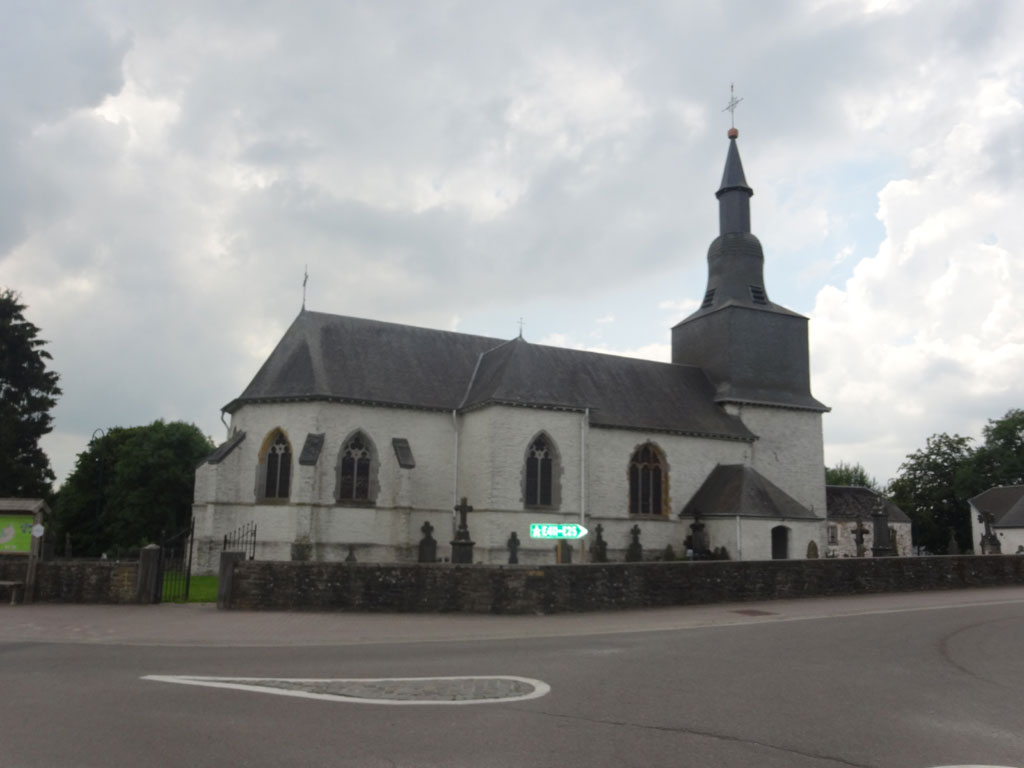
733 133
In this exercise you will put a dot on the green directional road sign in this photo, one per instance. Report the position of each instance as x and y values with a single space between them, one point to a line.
557 531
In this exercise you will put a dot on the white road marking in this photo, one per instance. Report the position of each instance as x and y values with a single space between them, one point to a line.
261 685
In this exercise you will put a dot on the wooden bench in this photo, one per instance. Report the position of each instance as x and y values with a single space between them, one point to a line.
15 587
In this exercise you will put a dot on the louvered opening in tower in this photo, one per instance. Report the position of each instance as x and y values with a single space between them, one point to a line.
757 294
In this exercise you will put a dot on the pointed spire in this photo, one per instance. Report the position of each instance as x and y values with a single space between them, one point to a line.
734 194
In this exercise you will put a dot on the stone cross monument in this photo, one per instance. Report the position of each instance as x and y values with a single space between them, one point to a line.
462 545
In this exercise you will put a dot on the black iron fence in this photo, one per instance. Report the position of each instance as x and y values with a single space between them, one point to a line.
176 565
242 539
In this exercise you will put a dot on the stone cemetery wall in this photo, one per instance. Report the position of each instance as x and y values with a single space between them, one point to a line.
12 567
77 581
595 587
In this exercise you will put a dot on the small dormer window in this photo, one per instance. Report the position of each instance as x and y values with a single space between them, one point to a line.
709 298
757 294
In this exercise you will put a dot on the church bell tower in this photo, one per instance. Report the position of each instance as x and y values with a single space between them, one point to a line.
754 350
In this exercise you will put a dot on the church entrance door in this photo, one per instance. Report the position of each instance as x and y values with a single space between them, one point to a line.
780 543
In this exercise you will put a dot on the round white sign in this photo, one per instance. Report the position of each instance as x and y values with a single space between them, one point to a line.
37 530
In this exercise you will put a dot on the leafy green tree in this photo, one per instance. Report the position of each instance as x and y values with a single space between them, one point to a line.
130 486
850 474
932 488
1000 458
27 393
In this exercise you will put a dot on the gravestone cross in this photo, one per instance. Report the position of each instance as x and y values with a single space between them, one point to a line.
599 549
952 548
428 545
634 552
513 548
880 541
462 546
989 541
858 536
699 539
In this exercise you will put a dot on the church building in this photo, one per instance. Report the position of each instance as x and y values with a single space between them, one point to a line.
357 438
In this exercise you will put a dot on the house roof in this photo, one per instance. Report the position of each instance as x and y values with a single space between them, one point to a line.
347 359
23 506
1014 517
845 503
999 501
737 489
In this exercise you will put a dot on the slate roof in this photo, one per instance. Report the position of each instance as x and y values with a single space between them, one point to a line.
737 489
1005 502
1000 501
331 357
225 448
1014 518
846 502
347 359
619 391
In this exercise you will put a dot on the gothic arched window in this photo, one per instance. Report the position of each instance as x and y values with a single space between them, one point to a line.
648 482
539 473
355 469
276 467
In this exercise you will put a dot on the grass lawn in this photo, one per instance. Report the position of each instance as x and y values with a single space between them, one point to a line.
202 589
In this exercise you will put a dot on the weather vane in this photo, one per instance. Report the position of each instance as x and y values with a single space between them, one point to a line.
731 106
305 279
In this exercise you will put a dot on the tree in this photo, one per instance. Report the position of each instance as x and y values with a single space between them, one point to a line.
850 474
932 488
130 486
1000 459
27 393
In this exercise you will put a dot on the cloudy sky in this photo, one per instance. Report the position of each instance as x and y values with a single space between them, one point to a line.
168 170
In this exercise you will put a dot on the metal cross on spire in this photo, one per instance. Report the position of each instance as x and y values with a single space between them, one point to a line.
731 106
305 279
521 324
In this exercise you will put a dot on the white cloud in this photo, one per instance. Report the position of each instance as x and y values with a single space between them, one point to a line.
928 334
167 173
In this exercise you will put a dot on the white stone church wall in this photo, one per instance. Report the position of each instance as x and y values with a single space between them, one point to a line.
389 530
690 461
492 448
755 537
789 451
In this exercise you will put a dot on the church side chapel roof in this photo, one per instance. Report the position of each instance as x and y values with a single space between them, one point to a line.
347 359
1000 502
845 503
736 489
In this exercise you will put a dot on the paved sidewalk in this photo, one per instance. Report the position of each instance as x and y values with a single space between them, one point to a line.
204 625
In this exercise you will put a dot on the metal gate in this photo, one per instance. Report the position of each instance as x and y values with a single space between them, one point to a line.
176 565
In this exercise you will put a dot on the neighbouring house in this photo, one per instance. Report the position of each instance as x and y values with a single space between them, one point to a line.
1004 505
357 438
850 507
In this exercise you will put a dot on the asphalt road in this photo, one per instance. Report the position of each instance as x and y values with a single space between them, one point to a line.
899 680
